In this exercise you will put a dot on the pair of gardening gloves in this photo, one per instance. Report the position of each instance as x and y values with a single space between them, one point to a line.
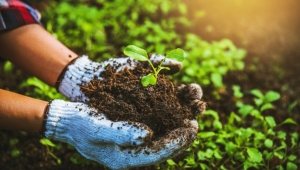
117 145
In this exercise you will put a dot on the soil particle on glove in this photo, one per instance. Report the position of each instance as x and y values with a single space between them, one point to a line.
121 97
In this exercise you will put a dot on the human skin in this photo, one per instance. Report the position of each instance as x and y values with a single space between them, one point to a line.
22 113
37 52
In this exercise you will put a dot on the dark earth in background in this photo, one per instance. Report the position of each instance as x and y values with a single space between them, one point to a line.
268 30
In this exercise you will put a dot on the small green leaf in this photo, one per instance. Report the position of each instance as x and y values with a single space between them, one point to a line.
206 134
271 96
177 54
281 135
257 93
15 153
148 79
171 162
8 67
270 121
47 142
289 121
217 125
58 161
237 91
217 154
266 106
217 80
254 155
245 110
136 53
292 157
268 143
291 166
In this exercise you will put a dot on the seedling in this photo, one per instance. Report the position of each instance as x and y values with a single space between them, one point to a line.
141 55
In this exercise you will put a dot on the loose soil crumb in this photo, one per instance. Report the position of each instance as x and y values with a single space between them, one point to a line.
122 97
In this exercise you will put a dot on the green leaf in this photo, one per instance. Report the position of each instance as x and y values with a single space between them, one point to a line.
206 134
271 96
201 156
291 166
148 79
212 113
268 143
230 148
237 91
217 125
281 135
217 154
46 142
171 162
245 110
177 54
217 80
289 121
15 153
136 53
258 101
266 106
292 157
257 93
254 155
8 67
270 121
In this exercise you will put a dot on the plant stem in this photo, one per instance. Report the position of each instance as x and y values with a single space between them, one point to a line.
153 68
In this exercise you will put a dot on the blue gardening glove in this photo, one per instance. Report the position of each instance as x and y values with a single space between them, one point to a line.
83 70
116 145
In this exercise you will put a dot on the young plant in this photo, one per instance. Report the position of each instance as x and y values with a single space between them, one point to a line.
141 55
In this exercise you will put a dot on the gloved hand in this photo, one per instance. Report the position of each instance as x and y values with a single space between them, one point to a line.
83 70
117 145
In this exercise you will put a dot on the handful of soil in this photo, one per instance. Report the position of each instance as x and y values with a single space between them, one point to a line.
121 97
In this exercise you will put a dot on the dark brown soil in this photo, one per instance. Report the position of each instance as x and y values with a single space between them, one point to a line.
122 97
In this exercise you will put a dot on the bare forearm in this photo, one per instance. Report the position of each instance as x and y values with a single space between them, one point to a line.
22 113
32 48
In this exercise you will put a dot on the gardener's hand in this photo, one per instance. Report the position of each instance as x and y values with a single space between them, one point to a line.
117 145
83 70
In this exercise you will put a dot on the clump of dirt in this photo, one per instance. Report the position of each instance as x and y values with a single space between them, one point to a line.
122 97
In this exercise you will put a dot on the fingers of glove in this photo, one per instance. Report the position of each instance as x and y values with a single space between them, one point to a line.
120 64
155 152
174 65
121 133
192 93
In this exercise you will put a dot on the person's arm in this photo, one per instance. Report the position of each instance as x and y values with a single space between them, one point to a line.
36 51
18 112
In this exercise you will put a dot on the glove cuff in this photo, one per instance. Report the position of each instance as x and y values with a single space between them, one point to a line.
59 119
79 72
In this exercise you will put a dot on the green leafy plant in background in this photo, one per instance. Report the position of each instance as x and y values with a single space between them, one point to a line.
100 30
207 63
50 146
141 55
247 140
38 89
